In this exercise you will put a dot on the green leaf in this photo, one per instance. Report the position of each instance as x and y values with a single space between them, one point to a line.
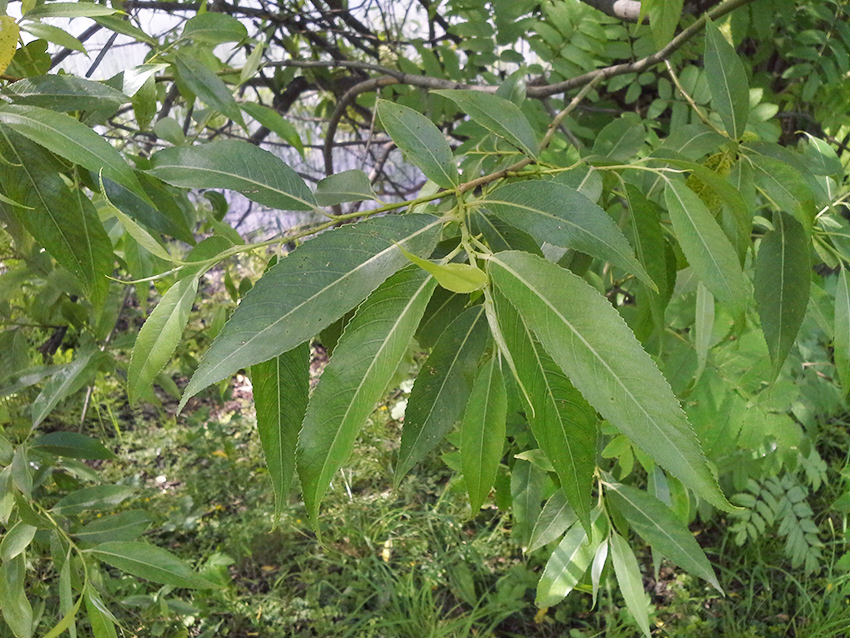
101 623
563 423
782 280
16 540
149 562
17 611
208 87
273 121
9 32
461 278
783 185
555 519
356 377
694 141
281 392
124 526
704 327
706 247
311 288
565 567
72 445
421 142
597 567
821 158
482 432
348 186
664 16
66 603
160 336
54 35
63 221
557 214
589 341
235 165
82 9
71 139
497 115
65 382
620 140
441 391
656 523
501 236
526 494
92 498
214 28
168 220
444 307
630 581
842 329
142 237
727 81
65 93
125 27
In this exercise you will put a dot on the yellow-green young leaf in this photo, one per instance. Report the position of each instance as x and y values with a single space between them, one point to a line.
310 289
555 519
706 246
235 165
69 10
482 433
421 142
441 391
461 278
102 625
362 365
592 345
149 562
16 609
842 329
496 114
656 523
71 139
563 423
727 81
208 87
565 567
160 336
281 390
8 40
782 282
555 213
630 581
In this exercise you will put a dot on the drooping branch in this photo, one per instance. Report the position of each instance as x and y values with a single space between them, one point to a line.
626 10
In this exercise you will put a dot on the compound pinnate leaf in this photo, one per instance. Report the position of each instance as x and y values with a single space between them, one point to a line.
782 281
662 529
727 81
311 288
281 391
362 365
235 165
149 562
441 391
664 16
630 581
496 114
555 213
591 344
421 142
482 433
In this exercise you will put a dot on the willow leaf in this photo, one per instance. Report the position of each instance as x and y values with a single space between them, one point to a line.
842 329
630 581
727 81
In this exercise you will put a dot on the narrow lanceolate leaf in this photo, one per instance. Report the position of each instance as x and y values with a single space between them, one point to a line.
235 165
160 336
281 391
706 246
597 567
555 519
348 186
63 221
630 581
620 140
125 526
482 433
311 288
565 568
9 31
461 278
562 421
664 16
65 93
421 142
71 139
498 115
441 391
201 81
17 611
783 277
560 215
651 250
704 326
149 562
101 623
727 81
356 377
662 529
67 380
590 342
785 187
72 445
97 497
842 329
